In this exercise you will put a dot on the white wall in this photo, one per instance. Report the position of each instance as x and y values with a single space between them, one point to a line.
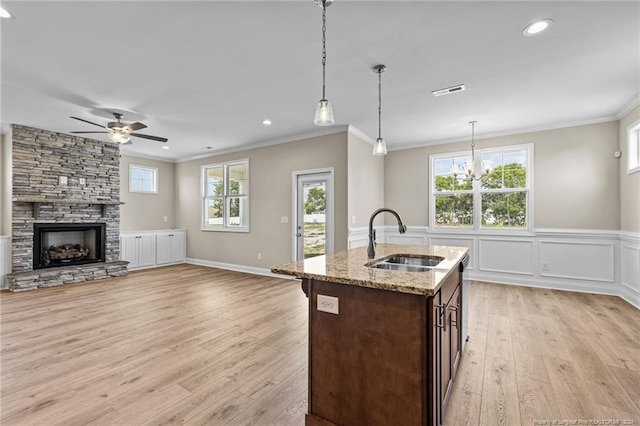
147 211
270 192
629 183
577 183
366 182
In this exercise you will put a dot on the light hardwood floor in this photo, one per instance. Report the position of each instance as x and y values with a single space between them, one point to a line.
195 345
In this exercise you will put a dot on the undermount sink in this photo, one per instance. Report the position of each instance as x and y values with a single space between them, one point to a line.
400 267
419 261
408 263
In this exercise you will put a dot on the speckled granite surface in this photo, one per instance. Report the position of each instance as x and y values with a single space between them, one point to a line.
350 267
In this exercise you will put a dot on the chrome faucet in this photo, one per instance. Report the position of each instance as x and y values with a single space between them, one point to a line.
371 248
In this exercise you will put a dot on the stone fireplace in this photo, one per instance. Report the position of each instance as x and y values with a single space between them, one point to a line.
64 244
65 209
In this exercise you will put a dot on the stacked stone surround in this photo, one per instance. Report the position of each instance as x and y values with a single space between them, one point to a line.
39 159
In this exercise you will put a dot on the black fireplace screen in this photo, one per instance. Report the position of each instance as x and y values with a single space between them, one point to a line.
63 244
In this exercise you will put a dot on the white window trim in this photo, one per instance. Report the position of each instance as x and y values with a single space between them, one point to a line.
633 146
225 227
477 220
155 179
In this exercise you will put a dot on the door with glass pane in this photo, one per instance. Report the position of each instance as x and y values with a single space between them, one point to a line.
314 211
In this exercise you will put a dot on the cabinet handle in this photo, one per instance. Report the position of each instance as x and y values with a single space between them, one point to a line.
454 318
443 310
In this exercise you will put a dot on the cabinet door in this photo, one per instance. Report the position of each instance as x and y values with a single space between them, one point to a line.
163 248
129 250
178 247
147 250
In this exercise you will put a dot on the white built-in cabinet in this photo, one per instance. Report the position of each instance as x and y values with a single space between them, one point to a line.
171 247
146 249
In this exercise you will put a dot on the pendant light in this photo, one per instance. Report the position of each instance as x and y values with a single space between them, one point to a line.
380 148
470 167
324 110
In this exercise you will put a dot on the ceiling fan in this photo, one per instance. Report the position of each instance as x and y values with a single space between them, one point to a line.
120 132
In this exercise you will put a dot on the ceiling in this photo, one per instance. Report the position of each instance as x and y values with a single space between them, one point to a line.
206 73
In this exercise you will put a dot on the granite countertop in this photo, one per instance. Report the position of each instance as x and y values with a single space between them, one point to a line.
350 267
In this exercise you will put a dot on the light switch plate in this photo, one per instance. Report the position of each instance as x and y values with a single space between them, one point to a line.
83 181
284 219
63 180
328 304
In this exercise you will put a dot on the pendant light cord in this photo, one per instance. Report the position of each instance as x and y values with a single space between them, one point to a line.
473 145
324 44
379 104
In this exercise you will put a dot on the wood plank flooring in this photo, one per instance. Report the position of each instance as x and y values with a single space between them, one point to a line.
194 345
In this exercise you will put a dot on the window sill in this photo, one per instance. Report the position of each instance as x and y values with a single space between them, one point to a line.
236 230
633 170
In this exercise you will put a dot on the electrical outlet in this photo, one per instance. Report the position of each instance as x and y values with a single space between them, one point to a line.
328 304
259 256
63 180
545 266
284 219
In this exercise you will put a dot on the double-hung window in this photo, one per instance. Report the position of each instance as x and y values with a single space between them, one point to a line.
225 200
490 191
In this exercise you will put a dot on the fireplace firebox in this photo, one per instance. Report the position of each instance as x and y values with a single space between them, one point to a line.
64 244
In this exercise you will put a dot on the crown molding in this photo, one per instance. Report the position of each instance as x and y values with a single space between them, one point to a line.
359 133
147 157
504 133
323 131
626 108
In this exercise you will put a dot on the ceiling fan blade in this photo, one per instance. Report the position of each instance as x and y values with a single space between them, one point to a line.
136 126
153 138
88 132
86 121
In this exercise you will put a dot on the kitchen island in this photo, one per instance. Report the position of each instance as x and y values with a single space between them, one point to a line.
384 345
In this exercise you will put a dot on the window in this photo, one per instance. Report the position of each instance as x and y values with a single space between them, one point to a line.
225 202
143 179
633 147
501 199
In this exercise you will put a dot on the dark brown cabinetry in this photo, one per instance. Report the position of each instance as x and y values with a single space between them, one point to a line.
386 358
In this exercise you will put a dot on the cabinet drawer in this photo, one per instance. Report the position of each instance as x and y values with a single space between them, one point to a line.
447 289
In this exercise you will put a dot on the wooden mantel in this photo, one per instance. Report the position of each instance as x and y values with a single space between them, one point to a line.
38 201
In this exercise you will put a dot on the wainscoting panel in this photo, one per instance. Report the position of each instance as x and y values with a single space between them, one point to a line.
506 256
631 267
456 242
577 260
5 260
358 237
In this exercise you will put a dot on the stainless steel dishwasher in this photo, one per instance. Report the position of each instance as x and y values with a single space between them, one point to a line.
464 264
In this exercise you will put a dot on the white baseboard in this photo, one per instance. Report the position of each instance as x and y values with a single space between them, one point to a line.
238 268
630 296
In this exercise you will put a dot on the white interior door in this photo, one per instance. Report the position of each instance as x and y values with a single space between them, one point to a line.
313 213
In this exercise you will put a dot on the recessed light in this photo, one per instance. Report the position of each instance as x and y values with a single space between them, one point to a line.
165 147
266 122
537 27
5 13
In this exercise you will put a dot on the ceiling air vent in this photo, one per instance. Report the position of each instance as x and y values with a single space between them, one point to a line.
448 90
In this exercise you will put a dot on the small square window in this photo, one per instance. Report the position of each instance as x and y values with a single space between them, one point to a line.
143 179
633 147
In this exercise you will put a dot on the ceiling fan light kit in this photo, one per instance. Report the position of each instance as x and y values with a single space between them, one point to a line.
120 132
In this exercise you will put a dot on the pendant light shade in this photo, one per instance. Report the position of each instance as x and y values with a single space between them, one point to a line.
324 114
324 110
380 148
